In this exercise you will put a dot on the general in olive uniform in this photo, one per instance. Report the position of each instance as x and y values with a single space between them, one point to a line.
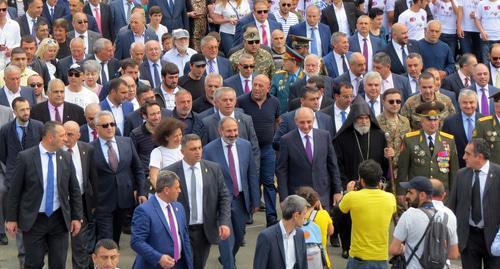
282 79
428 152
488 128
264 63
409 108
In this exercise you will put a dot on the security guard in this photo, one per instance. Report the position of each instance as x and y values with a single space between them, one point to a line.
300 44
428 152
488 128
264 63
282 79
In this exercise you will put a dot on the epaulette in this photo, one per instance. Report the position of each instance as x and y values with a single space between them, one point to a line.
281 72
412 134
485 118
447 135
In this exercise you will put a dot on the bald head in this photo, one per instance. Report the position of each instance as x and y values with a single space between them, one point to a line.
438 192
400 33
72 133
357 64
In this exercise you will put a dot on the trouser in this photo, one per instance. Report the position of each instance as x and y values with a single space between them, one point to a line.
82 244
471 43
342 224
3 199
476 253
485 50
21 252
226 42
229 248
109 224
356 263
267 167
452 41
47 233
199 245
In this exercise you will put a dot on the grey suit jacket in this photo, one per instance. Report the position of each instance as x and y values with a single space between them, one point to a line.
5 115
92 36
216 197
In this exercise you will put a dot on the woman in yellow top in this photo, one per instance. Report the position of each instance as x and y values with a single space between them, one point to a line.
321 217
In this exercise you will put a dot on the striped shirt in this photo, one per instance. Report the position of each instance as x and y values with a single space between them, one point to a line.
286 23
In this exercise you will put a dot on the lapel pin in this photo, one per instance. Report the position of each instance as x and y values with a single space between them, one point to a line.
206 170
176 209
60 157
83 152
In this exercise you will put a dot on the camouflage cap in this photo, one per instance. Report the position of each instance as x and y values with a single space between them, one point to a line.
251 34
299 41
430 110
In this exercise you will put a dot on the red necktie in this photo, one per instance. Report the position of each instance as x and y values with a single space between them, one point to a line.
247 87
232 170
94 134
98 19
264 35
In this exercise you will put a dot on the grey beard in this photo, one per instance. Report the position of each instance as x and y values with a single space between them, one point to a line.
311 74
362 129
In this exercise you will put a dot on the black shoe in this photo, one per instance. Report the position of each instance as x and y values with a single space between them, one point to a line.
250 220
262 207
243 242
345 254
334 241
4 240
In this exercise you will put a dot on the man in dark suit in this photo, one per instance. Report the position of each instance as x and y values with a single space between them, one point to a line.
320 42
270 249
261 19
77 47
174 14
474 199
481 86
235 157
339 110
463 77
242 81
461 124
81 154
126 38
44 200
318 83
102 13
52 10
382 64
120 14
157 248
208 210
215 63
12 88
81 29
336 60
400 47
33 13
103 54
357 67
117 103
358 40
312 68
307 158
346 11
55 109
151 67
5 117
120 173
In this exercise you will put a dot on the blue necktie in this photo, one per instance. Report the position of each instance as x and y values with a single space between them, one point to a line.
343 116
314 43
49 191
156 76
470 128
33 28
104 78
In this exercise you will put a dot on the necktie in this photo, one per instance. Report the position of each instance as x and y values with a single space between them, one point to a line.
372 107
104 78
476 199
264 35
293 77
70 150
431 145
98 19
23 137
314 43
309 152
497 78
51 13
415 82
194 203
404 55
129 10
344 65
343 116
49 191
156 75
470 128
247 86
94 135
57 115
232 170
467 82
365 52
173 232
33 21
171 5
484 103
211 68
112 157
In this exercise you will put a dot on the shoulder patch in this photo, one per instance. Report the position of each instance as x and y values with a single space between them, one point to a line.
485 118
412 134
447 135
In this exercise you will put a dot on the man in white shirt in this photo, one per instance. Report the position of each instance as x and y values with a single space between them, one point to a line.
372 86
415 19
11 34
181 53
284 16
75 93
165 94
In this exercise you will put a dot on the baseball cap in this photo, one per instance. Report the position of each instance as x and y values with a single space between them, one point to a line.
418 183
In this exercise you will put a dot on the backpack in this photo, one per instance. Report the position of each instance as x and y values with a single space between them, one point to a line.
436 242
316 258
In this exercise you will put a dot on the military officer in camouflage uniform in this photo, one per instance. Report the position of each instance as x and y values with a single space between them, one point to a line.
488 128
428 92
428 152
264 63
282 79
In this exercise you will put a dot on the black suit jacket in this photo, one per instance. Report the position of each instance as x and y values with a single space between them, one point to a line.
328 17
41 68
106 19
24 24
71 112
397 66
325 102
454 125
113 66
270 251
216 197
89 177
59 12
460 202
62 68
235 83
26 191
296 87
453 83
400 6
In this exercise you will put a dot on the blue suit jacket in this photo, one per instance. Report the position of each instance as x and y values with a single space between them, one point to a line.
60 10
454 125
492 90
324 33
214 152
287 124
12 13
26 92
151 237
119 16
377 44
126 38
331 64
127 107
223 64
173 19
235 83
249 19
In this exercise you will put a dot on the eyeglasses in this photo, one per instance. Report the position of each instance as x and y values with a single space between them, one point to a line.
82 22
251 42
200 65
247 66
286 5
264 11
38 85
495 58
74 74
51 41
397 101
3 9
106 125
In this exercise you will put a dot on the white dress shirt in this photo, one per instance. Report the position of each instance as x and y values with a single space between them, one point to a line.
494 71
11 95
483 176
463 76
163 206
105 69
250 79
118 114
304 140
199 191
85 41
236 161
338 116
214 64
342 21
317 37
289 246
93 8
104 148
30 22
355 81
45 163
169 98
77 162
433 138
413 84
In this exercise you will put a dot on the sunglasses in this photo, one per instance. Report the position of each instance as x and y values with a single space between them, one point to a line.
200 65
247 66
3 9
394 101
106 125
264 11
251 42
82 22
286 5
495 58
74 74
38 85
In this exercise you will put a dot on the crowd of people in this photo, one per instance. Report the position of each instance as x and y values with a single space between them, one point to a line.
176 121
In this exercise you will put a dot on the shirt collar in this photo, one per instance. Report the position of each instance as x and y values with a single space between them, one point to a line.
111 103
187 165
283 231
43 150
465 117
19 125
223 116
103 141
486 167
310 134
338 110
163 204
74 148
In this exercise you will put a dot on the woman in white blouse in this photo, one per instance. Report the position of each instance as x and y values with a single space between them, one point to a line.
168 135
47 52
227 14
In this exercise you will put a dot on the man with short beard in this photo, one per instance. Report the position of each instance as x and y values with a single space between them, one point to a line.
360 138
